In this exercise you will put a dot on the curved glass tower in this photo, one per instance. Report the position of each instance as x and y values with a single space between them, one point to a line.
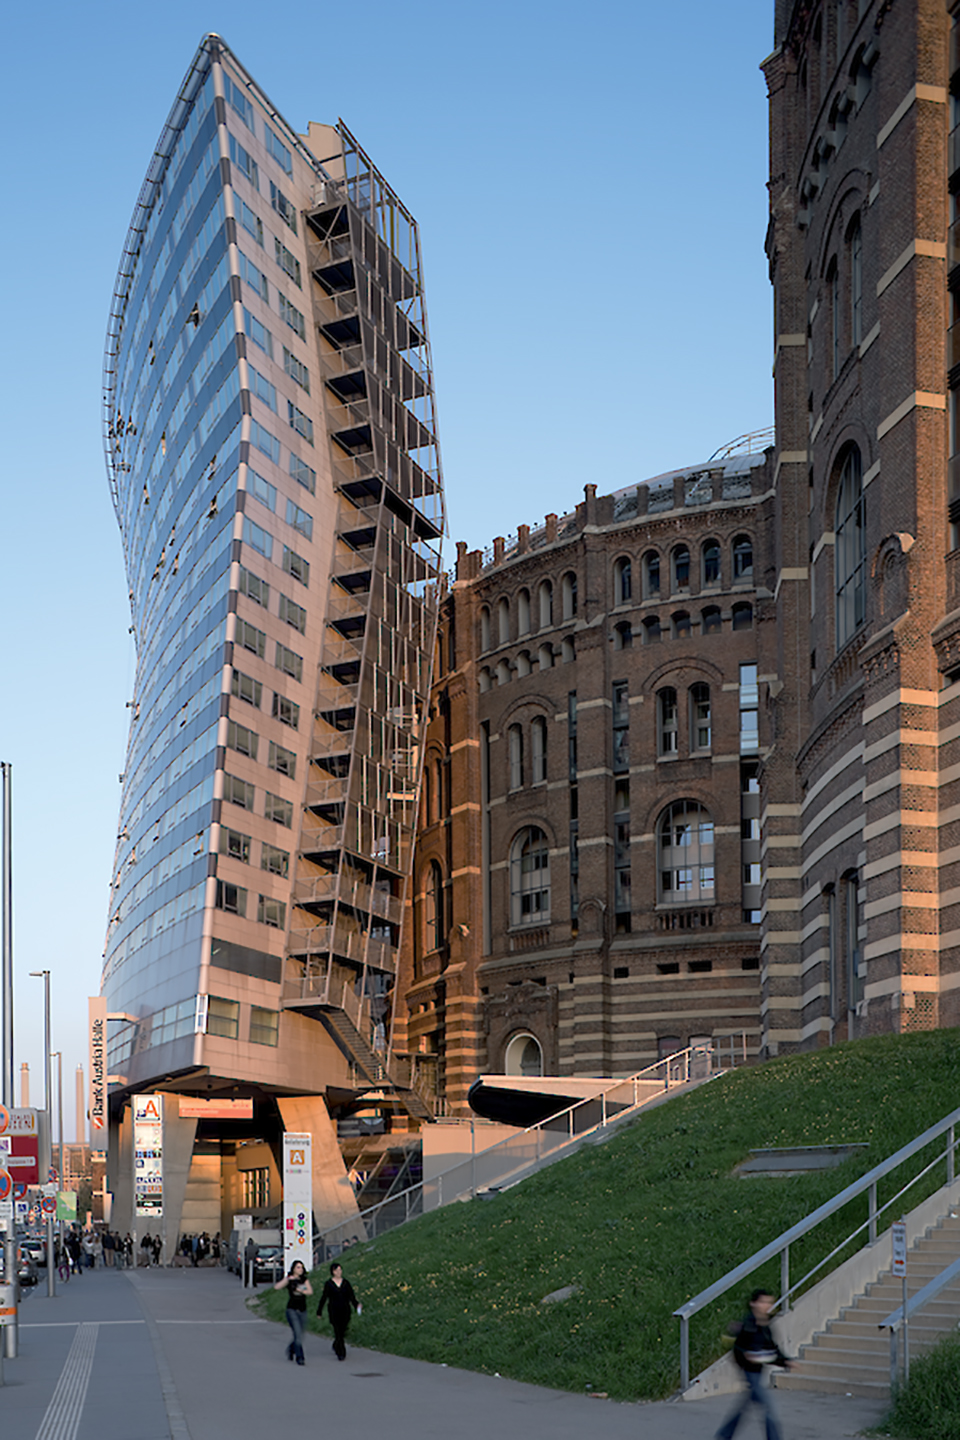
272 455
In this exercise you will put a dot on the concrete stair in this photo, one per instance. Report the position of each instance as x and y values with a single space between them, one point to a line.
852 1355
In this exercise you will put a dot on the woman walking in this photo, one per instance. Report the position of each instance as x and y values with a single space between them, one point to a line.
338 1296
298 1287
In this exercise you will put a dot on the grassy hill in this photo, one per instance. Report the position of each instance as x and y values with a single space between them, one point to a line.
643 1222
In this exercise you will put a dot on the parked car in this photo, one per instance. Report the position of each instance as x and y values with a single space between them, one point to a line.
36 1249
269 1263
237 1244
26 1269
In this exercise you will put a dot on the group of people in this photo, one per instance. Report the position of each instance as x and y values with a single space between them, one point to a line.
337 1297
88 1249
150 1249
201 1247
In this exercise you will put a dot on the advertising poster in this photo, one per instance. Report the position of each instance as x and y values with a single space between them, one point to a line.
148 1156
297 1200
67 1206
97 1097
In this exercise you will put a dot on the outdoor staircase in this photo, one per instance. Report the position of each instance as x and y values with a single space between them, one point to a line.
852 1355
356 1049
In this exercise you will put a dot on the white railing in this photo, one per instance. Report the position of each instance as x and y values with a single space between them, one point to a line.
867 1184
506 1162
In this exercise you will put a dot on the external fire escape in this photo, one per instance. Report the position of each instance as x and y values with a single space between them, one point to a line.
357 831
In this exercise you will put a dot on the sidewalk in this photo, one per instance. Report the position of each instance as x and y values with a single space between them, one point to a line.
176 1355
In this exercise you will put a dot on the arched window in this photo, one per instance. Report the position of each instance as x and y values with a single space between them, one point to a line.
503 673
523 612
546 604
545 657
515 748
622 581
503 621
523 1057
523 663
850 550
855 246
651 630
484 627
530 878
568 592
711 619
742 557
433 928
568 651
685 853
622 636
743 616
681 568
429 806
681 625
438 788
538 750
651 574
700 717
710 556
667 722
486 680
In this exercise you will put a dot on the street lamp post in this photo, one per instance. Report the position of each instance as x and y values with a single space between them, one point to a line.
46 1158
11 1332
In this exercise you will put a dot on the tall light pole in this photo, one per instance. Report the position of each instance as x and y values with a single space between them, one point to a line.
62 1185
6 883
47 1156
11 1332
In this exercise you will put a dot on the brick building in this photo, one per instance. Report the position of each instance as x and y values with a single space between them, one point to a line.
586 894
860 799
554 925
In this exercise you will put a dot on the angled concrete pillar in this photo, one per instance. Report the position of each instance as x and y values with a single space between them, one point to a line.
333 1196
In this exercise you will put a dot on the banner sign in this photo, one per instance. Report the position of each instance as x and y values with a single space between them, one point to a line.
297 1200
148 1155
97 1098
195 1107
67 1206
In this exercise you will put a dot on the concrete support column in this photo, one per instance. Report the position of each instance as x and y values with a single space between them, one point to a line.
333 1196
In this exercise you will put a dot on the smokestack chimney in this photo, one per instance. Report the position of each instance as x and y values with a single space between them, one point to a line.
25 1085
81 1108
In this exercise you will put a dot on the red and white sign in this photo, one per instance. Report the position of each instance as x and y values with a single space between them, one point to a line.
6 1185
97 1014
48 1205
195 1107
22 1144
4 1119
297 1200
899 1236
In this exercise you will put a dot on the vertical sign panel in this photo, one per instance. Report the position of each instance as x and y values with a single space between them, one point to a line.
97 1105
297 1200
148 1156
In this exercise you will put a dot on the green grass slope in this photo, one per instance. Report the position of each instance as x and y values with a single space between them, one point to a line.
645 1221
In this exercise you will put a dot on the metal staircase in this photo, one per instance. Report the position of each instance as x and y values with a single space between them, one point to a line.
370 1064
851 1356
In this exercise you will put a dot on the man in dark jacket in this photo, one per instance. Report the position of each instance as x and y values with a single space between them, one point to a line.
754 1349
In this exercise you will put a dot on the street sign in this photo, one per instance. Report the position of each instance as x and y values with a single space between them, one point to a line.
21 1209
899 1234
19 1190
8 1305
6 1185
4 1119
48 1205
6 1214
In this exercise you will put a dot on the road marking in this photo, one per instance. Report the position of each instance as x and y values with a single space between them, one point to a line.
177 1421
71 1324
62 1419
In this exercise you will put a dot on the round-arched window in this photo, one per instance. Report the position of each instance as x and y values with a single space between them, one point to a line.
850 550
685 855
530 878
523 1056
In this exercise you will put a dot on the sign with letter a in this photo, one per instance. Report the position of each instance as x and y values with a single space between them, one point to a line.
97 1059
297 1200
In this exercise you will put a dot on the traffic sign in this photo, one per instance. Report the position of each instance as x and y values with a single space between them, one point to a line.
19 1190
899 1234
48 1205
6 1185
4 1119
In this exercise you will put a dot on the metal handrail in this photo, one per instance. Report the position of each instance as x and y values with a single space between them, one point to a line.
899 1319
781 1245
670 1065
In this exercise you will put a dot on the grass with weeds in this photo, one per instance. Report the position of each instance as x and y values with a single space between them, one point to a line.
646 1220
928 1406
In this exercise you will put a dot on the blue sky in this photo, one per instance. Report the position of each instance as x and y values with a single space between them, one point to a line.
590 187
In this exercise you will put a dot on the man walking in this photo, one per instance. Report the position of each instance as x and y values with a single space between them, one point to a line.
755 1350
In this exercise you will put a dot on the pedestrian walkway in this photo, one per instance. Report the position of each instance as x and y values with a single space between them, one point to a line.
176 1355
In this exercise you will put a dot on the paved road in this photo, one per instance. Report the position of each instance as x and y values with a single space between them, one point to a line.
175 1355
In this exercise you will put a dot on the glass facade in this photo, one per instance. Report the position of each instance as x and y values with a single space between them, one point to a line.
270 441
